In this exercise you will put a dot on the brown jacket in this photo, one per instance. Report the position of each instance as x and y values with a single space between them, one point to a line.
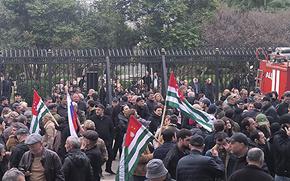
50 133
145 157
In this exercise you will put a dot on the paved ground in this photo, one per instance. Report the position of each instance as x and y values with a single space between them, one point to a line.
107 176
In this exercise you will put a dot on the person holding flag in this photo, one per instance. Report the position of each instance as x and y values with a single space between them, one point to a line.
136 140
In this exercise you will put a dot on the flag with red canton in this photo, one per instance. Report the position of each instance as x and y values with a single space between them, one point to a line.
38 111
135 142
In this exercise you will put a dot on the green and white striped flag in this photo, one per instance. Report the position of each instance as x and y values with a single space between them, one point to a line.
135 142
177 100
38 111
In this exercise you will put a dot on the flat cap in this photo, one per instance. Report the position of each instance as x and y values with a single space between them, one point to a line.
91 135
240 138
22 131
33 138
197 140
100 106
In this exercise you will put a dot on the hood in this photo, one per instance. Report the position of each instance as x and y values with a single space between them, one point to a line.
77 157
122 117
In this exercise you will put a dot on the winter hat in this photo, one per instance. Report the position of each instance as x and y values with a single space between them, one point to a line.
261 119
155 169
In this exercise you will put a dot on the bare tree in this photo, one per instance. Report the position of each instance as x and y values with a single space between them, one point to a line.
233 28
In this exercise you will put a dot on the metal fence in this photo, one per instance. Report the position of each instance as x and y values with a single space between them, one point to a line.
43 69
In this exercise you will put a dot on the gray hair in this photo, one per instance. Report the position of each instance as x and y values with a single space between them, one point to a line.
74 141
12 174
255 155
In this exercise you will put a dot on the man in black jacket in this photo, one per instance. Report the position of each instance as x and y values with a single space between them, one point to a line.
196 167
253 171
76 165
90 148
105 129
281 147
177 152
39 162
142 108
168 136
282 108
20 148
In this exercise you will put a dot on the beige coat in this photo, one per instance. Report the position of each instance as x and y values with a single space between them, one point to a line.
50 133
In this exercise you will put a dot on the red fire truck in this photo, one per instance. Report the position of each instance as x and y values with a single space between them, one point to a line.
274 70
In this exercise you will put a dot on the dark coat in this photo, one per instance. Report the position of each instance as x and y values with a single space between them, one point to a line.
234 163
62 111
282 108
155 122
269 110
196 167
161 152
143 112
171 160
105 127
151 104
250 173
77 167
281 147
17 154
50 162
94 154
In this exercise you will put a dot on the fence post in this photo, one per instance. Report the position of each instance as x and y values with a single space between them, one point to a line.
49 71
164 72
108 80
217 72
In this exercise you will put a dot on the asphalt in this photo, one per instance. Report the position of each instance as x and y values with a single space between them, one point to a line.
107 176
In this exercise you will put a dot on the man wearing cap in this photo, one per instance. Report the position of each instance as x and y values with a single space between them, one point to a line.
90 148
281 150
39 163
105 129
238 149
20 148
253 171
197 167
156 171
268 109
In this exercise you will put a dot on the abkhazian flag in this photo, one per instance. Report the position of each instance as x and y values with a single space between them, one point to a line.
135 142
72 117
38 111
175 99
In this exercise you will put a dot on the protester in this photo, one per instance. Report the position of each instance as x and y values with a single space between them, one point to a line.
156 171
177 152
40 163
253 171
13 175
76 165
195 166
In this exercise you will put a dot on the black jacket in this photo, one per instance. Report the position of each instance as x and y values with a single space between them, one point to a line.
171 160
17 154
161 152
155 122
50 162
251 173
77 167
234 163
62 111
122 123
94 155
104 126
151 104
143 112
281 147
282 108
196 167
269 110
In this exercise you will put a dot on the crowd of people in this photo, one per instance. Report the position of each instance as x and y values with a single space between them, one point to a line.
250 138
